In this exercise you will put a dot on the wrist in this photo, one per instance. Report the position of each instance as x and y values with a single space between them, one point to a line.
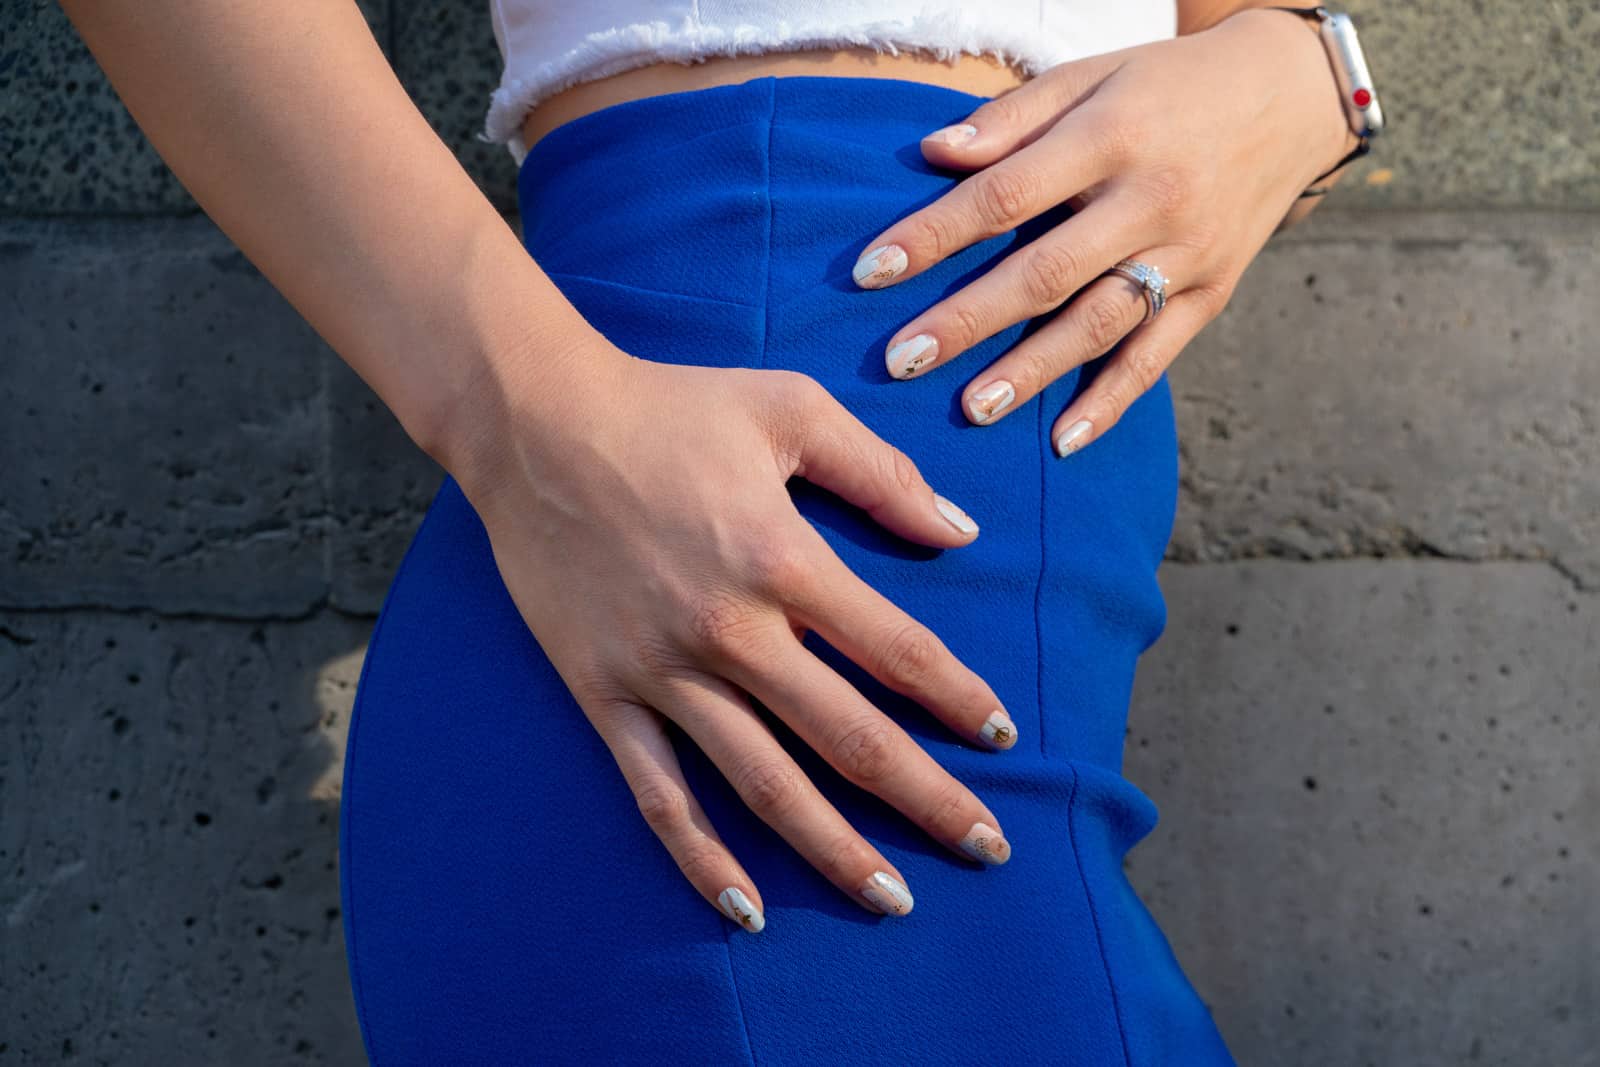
1305 80
531 393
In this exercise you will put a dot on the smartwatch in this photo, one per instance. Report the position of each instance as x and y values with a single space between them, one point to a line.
1356 91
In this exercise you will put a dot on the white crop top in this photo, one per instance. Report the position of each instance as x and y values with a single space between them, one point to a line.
551 45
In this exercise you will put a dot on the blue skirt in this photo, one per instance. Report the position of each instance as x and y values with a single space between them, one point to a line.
504 900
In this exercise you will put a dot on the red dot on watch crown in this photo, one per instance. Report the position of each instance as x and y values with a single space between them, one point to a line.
1362 97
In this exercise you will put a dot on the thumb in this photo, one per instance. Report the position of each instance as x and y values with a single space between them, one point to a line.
1017 117
834 449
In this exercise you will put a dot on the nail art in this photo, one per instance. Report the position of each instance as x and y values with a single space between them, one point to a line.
991 400
998 731
911 356
879 266
954 136
1073 437
886 893
986 844
954 515
736 906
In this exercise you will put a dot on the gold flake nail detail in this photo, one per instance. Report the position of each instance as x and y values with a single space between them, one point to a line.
887 893
986 844
911 356
991 400
998 731
736 906
879 266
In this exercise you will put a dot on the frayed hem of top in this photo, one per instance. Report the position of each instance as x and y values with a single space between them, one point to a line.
625 48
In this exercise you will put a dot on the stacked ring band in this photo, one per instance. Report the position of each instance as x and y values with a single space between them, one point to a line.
1150 282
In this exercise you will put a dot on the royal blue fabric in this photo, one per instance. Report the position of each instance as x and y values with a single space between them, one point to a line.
505 902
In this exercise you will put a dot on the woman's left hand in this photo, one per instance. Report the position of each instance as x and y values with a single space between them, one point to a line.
1185 154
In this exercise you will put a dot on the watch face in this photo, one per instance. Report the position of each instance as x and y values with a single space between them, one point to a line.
1360 97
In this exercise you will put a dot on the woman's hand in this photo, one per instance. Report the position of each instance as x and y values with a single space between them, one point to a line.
1184 154
663 567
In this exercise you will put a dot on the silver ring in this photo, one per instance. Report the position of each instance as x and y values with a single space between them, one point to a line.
1150 282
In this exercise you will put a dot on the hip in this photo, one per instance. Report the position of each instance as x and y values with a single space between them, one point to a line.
719 226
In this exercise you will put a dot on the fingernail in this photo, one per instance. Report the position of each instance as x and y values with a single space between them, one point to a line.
913 354
879 266
986 844
886 893
1073 437
954 136
954 515
991 400
998 731
736 906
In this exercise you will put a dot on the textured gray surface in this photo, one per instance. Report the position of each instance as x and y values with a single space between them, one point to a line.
1373 754
177 431
69 145
169 888
1380 830
1401 385
1491 105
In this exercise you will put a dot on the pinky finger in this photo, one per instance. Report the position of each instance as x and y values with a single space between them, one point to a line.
1130 372
637 738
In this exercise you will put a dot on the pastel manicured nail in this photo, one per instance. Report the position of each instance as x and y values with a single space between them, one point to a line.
887 893
998 731
879 266
954 136
736 906
991 400
1073 437
954 515
986 844
912 355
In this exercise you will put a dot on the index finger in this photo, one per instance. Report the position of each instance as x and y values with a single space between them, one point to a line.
1071 157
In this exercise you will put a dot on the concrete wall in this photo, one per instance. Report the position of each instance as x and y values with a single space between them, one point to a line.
1370 725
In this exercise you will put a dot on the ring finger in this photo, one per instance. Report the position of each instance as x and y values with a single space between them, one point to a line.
1096 320
773 786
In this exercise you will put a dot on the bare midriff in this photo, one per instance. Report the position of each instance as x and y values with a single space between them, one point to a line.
980 75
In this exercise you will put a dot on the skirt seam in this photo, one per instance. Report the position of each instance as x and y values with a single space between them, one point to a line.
1094 918
766 325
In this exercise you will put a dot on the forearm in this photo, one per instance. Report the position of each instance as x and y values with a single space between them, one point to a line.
1195 16
288 126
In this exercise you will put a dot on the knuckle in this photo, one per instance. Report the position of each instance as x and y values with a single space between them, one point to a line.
1003 112
778 565
702 863
866 751
662 802
946 807
1145 365
968 326
1050 274
720 624
1105 319
903 469
1004 196
771 787
1167 188
931 234
911 655
842 857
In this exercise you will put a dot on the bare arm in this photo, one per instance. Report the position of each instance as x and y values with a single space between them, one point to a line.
660 563
288 126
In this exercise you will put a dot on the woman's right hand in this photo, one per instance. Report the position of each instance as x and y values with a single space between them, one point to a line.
663 567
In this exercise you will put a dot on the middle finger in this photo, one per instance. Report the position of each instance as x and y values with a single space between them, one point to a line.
870 749
1031 281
